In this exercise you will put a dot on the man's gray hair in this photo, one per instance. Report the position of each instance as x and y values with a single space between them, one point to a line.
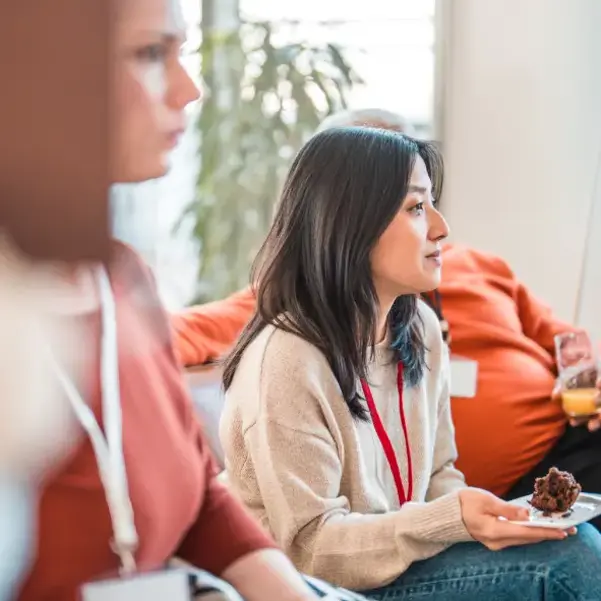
367 118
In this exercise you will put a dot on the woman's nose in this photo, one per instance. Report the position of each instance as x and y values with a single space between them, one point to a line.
439 228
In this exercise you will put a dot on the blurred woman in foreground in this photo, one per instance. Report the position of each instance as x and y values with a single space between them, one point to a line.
139 486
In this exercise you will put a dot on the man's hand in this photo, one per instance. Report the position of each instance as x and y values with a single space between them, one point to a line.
593 423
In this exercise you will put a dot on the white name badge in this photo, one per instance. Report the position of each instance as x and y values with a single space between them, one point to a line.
169 585
464 377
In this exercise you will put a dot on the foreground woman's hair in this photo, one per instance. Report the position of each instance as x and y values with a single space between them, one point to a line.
312 276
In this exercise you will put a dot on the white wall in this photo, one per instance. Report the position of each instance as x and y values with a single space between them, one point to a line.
521 125
589 305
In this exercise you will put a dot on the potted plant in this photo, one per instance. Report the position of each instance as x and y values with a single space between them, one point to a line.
263 99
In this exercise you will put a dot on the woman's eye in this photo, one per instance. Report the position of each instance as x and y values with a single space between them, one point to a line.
153 53
417 209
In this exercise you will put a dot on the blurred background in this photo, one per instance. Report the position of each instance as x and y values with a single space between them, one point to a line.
511 89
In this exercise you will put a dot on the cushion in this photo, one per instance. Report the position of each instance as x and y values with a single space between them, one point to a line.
207 394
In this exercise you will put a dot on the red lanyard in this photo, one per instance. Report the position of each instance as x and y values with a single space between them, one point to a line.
385 439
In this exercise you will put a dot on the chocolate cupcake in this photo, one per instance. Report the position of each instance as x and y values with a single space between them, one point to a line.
555 493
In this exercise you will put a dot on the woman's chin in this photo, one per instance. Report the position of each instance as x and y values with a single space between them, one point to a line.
431 282
161 169
143 171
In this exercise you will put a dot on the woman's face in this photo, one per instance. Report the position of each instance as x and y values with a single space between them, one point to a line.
151 88
407 257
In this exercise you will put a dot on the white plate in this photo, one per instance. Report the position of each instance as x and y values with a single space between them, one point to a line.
587 507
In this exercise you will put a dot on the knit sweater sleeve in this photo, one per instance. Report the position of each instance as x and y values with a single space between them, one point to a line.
295 447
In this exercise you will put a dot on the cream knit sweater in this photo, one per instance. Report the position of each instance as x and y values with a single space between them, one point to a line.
319 480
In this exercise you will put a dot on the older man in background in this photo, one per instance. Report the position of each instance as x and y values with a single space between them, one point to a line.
509 430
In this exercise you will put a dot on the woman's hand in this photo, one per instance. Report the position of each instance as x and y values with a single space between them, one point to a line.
485 517
592 423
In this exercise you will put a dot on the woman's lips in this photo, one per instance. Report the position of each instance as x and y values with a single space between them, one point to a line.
173 138
435 257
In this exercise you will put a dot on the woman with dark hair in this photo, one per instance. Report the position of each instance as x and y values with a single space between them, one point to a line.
337 429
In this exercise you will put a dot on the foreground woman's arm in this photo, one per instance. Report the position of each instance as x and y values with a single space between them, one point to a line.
267 575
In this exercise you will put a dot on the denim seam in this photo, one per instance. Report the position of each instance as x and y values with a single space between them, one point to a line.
534 569
560 583
535 573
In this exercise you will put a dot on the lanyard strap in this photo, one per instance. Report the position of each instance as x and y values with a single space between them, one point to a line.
108 449
385 439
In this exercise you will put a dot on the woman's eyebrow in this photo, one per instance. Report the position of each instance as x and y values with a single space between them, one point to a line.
418 189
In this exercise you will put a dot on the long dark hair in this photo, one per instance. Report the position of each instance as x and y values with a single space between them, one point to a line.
312 276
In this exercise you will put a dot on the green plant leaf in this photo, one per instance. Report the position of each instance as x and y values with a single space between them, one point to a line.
277 95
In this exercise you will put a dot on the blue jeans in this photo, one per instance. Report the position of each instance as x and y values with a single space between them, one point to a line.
568 570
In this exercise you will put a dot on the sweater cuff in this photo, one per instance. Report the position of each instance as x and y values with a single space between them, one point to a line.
441 521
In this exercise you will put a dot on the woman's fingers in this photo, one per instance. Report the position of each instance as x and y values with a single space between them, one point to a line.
497 508
505 532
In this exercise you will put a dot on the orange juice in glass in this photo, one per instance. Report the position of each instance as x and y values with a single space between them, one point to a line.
581 402
578 370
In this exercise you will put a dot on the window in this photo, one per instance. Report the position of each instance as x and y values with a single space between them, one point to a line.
391 49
